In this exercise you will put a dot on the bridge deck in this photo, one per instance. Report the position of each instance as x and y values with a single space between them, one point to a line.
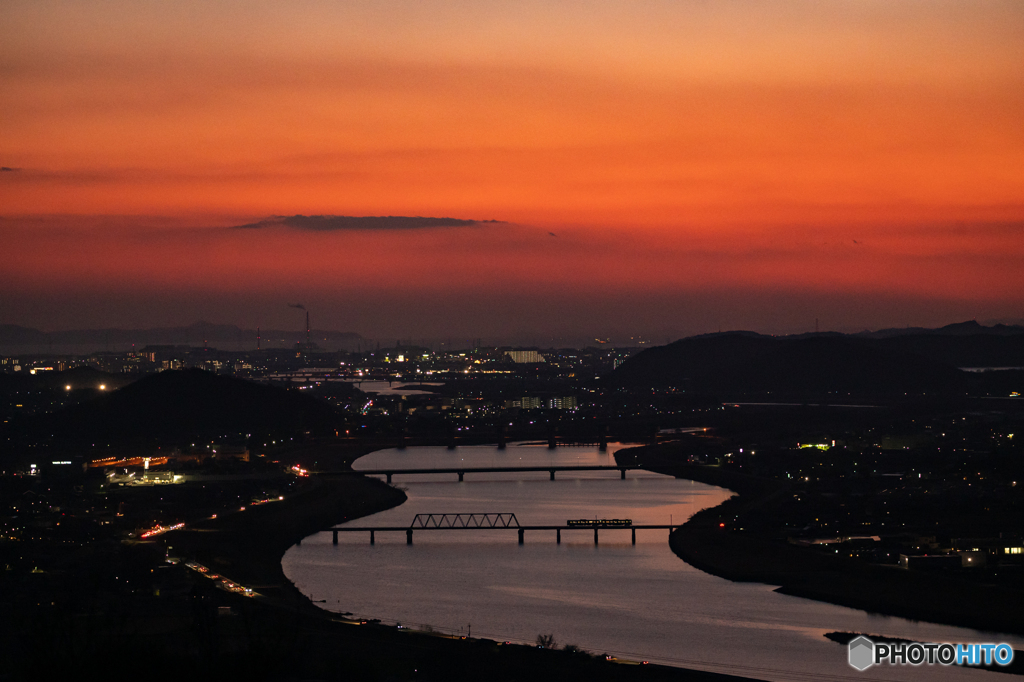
481 470
558 528
363 529
462 471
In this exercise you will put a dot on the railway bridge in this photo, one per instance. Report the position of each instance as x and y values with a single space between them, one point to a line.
496 521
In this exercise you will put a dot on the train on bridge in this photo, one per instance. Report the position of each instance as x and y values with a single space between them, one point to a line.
599 523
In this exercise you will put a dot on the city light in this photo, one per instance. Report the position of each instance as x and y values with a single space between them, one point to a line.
160 530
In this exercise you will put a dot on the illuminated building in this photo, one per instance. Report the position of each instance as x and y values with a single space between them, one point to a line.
525 356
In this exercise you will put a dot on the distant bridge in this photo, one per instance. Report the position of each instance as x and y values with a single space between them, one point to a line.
490 521
462 471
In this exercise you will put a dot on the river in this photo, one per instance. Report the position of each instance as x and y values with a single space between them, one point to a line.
636 602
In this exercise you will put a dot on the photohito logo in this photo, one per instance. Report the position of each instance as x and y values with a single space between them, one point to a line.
864 653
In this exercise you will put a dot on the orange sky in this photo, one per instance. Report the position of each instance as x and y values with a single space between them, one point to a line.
679 150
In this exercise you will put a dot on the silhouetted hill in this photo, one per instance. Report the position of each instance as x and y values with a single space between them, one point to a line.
15 334
24 395
969 328
834 365
689 358
979 350
176 406
805 365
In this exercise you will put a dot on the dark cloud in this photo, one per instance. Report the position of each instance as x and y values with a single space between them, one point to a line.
321 223
5 169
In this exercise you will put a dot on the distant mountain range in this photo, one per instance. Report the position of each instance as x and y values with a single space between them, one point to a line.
19 339
970 328
887 362
195 334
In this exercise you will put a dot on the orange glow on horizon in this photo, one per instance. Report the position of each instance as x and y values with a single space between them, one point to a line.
863 147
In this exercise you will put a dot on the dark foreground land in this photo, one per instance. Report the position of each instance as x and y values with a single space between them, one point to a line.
847 453
734 541
195 630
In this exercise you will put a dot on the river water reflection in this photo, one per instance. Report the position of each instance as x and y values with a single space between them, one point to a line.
639 602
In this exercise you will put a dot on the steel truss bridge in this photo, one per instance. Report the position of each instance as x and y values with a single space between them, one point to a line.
481 521
490 520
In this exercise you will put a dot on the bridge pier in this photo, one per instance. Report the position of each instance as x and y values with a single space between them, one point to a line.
623 472
558 536
552 474
522 534
335 538
408 537
372 538
634 536
389 478
461 474
595 535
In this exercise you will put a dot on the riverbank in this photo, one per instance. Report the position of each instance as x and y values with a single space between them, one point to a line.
713 542
248 546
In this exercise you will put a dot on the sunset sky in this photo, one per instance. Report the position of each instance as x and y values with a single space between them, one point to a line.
659 168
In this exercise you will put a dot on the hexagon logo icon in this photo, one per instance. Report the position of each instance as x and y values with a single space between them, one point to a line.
862 653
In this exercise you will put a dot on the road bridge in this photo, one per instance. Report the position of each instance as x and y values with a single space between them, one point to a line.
462 471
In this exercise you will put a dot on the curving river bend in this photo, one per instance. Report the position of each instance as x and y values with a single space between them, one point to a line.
639 602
